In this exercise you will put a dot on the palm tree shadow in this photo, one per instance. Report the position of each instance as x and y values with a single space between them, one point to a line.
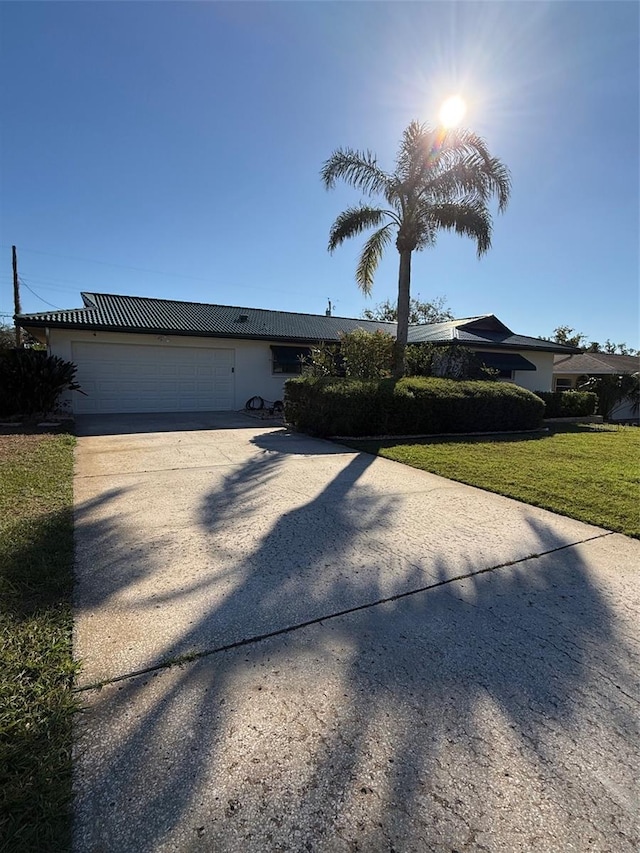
397 725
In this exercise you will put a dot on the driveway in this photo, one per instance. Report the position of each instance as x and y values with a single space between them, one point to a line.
299 647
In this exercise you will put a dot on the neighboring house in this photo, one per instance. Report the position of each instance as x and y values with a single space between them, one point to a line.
570 371
136 354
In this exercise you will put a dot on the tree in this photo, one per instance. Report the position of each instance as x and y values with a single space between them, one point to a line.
419 312
8 338
443 179
567 335
620 349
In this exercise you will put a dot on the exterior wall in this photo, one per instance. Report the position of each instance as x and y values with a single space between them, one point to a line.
540 379
625 411
253 373
253 362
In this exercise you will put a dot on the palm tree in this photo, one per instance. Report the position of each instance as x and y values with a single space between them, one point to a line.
443 179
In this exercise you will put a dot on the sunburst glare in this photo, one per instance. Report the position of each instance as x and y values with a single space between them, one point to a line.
452 111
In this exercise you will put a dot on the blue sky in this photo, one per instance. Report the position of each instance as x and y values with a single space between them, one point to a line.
173 149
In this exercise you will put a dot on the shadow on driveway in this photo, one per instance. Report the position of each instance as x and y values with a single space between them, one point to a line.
150 422
488 713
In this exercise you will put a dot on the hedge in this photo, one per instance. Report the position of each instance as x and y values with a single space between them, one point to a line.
568 404
411 406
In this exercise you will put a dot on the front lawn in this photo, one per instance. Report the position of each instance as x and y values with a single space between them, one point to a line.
586 471
36 665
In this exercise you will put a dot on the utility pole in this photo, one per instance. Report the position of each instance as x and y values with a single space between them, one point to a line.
16 294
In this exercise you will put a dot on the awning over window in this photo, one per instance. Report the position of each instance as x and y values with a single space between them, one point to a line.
290 355
506 361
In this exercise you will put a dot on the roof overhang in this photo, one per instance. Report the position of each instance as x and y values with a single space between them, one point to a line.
176 333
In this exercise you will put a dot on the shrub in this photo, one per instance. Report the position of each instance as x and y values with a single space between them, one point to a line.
367 355
411 406
360 354
326 406
568 404
449 361
325 360
418 358
31 382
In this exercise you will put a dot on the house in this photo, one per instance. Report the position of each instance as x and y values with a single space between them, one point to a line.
525 361
571 371
136 354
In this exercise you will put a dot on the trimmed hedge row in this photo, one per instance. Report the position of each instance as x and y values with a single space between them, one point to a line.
411 406
568 404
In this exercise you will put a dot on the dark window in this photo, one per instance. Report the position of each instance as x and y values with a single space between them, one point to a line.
563 385
289 359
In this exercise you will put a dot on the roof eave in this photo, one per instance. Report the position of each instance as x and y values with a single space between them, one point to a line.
97 327
498 345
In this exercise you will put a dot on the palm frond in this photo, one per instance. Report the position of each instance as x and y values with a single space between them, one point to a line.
352 221
469 218
411 152
426 237
358 168
500 178
456 181
464 155
371 256
442 165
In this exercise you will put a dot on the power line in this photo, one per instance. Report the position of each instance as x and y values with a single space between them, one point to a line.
175 276
51 305
43 284
111 264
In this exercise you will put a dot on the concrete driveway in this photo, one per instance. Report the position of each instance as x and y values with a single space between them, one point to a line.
303 648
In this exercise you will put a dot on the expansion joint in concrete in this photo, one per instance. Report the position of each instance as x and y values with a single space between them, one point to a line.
258 638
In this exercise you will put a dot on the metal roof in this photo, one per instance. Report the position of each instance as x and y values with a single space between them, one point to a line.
118 313
483 331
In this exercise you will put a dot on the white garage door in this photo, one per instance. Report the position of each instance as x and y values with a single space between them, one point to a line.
133 378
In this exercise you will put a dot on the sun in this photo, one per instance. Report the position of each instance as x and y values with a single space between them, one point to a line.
452 111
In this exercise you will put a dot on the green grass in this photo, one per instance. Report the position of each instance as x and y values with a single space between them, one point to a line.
36 665
586 471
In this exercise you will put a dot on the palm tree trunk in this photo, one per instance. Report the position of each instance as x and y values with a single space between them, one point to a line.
404 292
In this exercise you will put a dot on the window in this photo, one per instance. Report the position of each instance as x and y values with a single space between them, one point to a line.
563 385
289 359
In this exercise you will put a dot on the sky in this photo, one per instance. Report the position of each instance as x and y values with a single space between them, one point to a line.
173 150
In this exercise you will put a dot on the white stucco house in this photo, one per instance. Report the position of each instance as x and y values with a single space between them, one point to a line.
137 354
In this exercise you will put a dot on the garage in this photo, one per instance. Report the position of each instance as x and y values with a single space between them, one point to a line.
141 378
138 354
